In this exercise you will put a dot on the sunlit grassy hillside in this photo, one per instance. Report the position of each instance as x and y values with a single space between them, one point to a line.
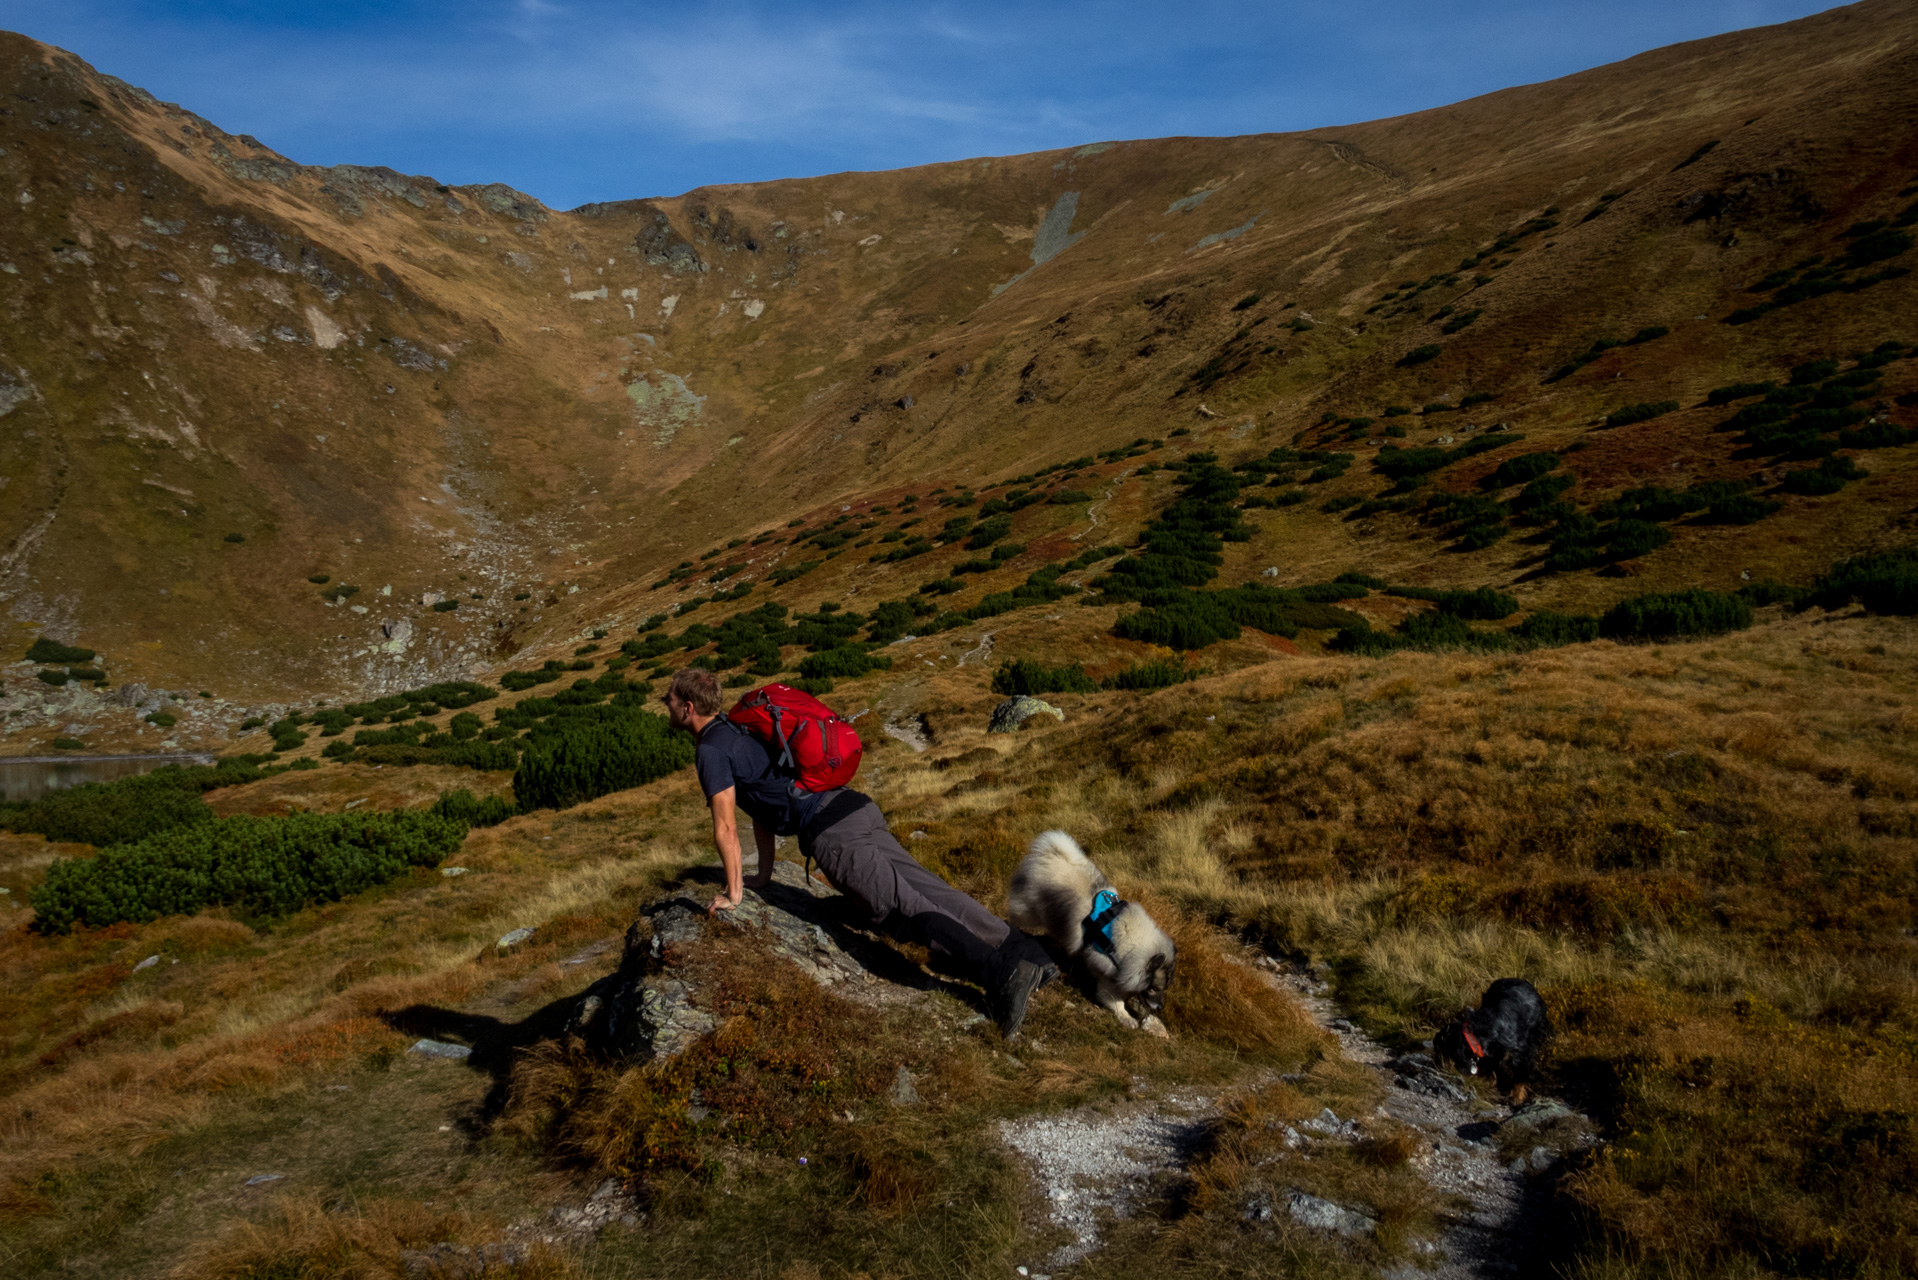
1463 545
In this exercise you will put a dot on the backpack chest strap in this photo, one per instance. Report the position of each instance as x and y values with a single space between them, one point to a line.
1097 927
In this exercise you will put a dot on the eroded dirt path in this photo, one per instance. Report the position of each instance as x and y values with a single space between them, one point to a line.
1486 1198
1095 1164
1484 1160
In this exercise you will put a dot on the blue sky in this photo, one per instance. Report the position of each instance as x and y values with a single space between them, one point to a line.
577 100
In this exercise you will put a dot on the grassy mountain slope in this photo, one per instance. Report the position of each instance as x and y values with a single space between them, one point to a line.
967 388
373 378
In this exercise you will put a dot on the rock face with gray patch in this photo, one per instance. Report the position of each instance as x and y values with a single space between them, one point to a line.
1311 1211
667 406
651 1008
642 1011
1013 713
1054 237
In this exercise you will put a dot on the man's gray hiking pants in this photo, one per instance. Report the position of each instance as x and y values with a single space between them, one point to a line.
850 842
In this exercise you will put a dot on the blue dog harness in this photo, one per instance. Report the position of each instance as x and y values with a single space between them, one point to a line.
1097 927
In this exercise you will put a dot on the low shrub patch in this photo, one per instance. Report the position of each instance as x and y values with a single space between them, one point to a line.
1541 492
1427 632
1522 469
1547 629
1194 619
1403 464
54 653
1021 677
1767 592
1155 673
1598 348
1884 582
1643 412
260 867
1483 604
843 663
1579 541
788 573
1664 615
461 805
1420 354
987 532
1741 508
1738 391
571 759
123 811
1632 538
1831 475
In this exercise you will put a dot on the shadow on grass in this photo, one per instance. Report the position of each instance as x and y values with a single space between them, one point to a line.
497 1043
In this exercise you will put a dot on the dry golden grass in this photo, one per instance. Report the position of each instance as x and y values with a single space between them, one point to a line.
381 1240
1726 830
1702 854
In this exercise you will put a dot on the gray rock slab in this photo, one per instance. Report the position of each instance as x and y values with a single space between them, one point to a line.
647 1008
1013 713
1311 1211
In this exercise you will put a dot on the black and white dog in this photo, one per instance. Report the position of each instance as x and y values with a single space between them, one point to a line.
1502 1037
1057 893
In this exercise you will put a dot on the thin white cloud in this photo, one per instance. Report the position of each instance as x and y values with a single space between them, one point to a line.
568 98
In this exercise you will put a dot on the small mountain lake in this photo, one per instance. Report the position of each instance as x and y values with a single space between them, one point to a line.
30 777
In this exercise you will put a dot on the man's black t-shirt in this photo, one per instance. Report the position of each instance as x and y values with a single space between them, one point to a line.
728 756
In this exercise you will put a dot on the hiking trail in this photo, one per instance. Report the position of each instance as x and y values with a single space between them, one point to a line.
1096 1164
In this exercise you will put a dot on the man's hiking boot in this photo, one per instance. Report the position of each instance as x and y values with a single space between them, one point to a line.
1013 990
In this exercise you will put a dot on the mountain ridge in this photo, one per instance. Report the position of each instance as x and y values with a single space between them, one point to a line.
511 413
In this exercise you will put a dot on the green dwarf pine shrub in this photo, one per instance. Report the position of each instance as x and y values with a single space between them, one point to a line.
258 867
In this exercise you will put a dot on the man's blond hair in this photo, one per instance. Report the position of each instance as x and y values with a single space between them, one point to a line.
697 686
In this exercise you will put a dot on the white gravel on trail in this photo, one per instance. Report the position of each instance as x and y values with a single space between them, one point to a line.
983 652
1098 1163
1095 1165
1460 1160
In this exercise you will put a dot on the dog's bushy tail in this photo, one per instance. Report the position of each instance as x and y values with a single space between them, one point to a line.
1057 844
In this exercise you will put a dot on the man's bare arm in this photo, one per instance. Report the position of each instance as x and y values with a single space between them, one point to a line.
726 838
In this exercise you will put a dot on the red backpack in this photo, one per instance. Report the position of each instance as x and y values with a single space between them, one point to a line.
807 737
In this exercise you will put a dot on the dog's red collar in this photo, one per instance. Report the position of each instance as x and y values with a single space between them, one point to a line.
1471 1042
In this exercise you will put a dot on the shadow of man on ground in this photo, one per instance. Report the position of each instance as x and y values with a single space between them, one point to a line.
807 923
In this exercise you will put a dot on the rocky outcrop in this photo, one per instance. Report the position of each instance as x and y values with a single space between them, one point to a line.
650 1007
1013 713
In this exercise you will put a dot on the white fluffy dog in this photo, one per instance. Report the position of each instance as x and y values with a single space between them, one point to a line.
1058 893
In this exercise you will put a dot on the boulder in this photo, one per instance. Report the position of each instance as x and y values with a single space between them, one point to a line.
647 1009
1328 1125
1310 1211
1539 1114
1013 713
1420 1073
